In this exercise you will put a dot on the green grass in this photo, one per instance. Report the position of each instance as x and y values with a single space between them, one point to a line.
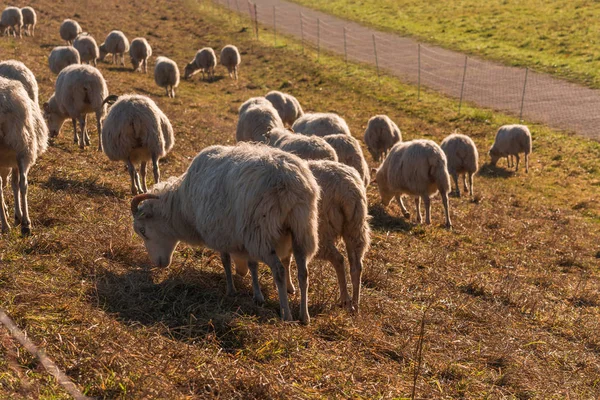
557 36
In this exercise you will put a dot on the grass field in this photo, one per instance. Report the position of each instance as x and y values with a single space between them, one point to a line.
509 298
557 36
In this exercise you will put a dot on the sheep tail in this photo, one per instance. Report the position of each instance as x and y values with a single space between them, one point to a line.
439 172
356 231
304 224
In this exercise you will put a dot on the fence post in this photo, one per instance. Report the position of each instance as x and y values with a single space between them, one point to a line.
345 51
274 28
256 20
318 38
523 97
462 88
419 73
376 59
302 32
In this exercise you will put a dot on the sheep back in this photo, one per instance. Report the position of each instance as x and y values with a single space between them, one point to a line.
16 70
287 106
69 29
461 154
139 51
511 140
80 89
321 124
115 43
87 47
230 57
255 122
349 152
63 56
166 72
381 135
252 102
305 147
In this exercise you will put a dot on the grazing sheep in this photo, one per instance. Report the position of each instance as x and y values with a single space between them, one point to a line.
205 61
29 20
287 106
256 121
116 43
17 71
11 18
417 168
139 52
381 135
462 157
23 137
136 130
166 75
87 48
61 57
80 90
252 102
252 202
321 124
69 30
349 152
230 59
305 147
510 141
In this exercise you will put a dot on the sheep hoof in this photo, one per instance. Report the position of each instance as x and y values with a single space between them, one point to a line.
304 319
259 299
231 292
291 290
25 231
6 228
406 215
449 226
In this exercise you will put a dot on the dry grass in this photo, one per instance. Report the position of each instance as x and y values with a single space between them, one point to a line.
512 291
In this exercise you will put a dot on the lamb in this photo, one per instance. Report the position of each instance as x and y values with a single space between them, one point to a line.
230 59
23 138
462 157
510 141
29 20
252 202
349 152
166 75
252 102
255 122
11 18
139 52
61 57
80 90
116 43
69 30
136 130
305 147
321 124
87 48
287 106
204 61
417 168
381 135
17 71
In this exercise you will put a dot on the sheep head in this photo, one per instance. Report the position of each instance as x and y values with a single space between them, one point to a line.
190 69
494 156
53 117
103 52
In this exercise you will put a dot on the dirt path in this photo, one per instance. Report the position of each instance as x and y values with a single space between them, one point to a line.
548 100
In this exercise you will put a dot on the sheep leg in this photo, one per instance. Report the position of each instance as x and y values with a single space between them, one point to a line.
172 92
257 294
168 91
286 261
418 206
517 157
455 178
405 212
465 181
122 59
471 183
235 71
527 163
134 178
279 276
75 135
99 127
86 135
355 252
17 198
447 208
427 203
337 260
25 221
155 169
143 177
145 62
3 217
82 133
226 260
301 264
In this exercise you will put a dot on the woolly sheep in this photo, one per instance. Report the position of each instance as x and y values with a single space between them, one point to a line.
230 59
166 75
510 141
17 71
87 48
321 124
29 20
462 157
136 130
205 61
116 43
381 135
61 57
12 18
349 152
139 52
252 202
23 138
256 121
417 168
252 102
80 90
69 30
305 147
287 106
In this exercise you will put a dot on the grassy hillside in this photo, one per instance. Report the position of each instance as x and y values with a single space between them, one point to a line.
509 298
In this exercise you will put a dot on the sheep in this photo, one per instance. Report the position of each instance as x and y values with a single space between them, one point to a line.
255 121
417 168
381 135
287 106
69 29
139 52
510 141
29 20
305 147
116 43
205 61
321 124
250 202
61 57
80 90
166 75
23 138
349 152
87 48
17 71
230 59
136 130
462 157
12 18
252 102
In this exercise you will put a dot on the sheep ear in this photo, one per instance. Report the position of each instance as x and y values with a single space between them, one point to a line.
46 107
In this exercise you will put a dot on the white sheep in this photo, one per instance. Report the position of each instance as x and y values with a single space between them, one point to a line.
87 48
321 124
29 20
349 152
287 106
80 90
381 135
116 43
417 168
205 61
462 157
305 147
23 138
510 141
61 57
166 75
69 29
255 121
12 18
230 59
252 202
139 52
16 70
252 102
137 131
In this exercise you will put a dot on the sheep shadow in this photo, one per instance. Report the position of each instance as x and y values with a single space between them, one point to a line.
491 171
89 187
120 69
382 221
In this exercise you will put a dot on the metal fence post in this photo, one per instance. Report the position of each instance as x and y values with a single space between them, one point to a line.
274 28
318 38
302 32
462 88
523 97
345 50
376 59
419 72
256 20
